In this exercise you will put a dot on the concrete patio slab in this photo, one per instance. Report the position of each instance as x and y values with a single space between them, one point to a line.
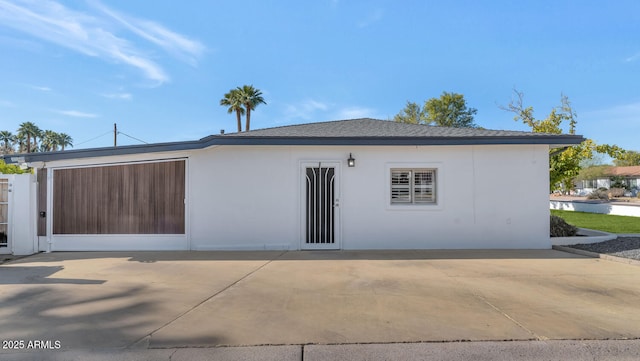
165 300
88 299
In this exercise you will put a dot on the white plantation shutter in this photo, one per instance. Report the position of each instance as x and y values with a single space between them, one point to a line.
413 186
400 186
423 185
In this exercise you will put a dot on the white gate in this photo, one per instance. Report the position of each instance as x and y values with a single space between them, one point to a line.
4 216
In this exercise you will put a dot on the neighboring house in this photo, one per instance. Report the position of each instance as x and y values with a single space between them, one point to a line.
351 184
628 176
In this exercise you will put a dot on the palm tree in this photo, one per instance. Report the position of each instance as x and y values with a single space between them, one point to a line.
7 140
64 140
49 141
37 133
20 139
250 98
24 132
29 131
233 100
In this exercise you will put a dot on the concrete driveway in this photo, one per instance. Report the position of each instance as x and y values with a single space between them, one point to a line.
140 300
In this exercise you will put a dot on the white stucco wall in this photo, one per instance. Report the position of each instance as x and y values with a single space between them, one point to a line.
249 197
488 197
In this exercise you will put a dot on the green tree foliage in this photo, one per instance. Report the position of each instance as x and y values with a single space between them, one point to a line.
594 172
411 114
26 140
564 164
628 158
449 110
30 131
64 140
10 168
243 100
7 139
49 141
233 101
251 98
52 141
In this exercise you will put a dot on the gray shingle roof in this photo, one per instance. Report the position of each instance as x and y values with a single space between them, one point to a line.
352 132
367 127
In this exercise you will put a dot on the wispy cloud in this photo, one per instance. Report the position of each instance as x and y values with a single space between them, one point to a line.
313 110
121 96
75 113
180 46
373 16
6 103
41 88
99 34
305 109
632 58
355 112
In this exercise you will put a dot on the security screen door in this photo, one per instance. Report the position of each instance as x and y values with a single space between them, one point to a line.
320 205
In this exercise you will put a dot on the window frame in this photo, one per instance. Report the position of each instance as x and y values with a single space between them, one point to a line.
436 170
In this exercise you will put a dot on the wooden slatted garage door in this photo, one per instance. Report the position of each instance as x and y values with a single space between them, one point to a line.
140 198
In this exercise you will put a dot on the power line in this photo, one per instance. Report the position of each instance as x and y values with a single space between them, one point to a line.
134 138
87 141
111 132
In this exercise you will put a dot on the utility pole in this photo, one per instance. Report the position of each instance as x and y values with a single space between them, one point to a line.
115 135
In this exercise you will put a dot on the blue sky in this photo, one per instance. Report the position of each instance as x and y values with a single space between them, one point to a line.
160 70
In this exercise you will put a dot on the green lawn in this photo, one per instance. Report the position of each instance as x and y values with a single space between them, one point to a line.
601 222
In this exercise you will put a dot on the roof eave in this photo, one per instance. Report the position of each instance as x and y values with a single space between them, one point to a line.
553 141
101 152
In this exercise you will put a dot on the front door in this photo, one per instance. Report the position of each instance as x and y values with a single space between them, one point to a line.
320 193
4 216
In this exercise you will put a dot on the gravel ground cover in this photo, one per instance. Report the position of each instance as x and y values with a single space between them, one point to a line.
627 247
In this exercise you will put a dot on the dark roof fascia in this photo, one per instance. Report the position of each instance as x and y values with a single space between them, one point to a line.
475 140
557 140
103 152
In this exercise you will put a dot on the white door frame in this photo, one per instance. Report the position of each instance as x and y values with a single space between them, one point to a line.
335 206
8 220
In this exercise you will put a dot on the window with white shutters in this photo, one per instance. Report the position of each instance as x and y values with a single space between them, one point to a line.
413 186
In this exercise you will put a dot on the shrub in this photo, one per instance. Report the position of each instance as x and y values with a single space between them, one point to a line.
616 192
10 168
560 228
599 194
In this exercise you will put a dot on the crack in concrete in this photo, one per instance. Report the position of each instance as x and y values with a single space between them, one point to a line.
148 336
497 309
538 337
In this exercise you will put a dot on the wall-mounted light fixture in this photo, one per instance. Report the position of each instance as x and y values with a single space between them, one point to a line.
351 162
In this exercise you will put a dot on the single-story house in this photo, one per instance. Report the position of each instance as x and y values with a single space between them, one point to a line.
350 184
628 177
